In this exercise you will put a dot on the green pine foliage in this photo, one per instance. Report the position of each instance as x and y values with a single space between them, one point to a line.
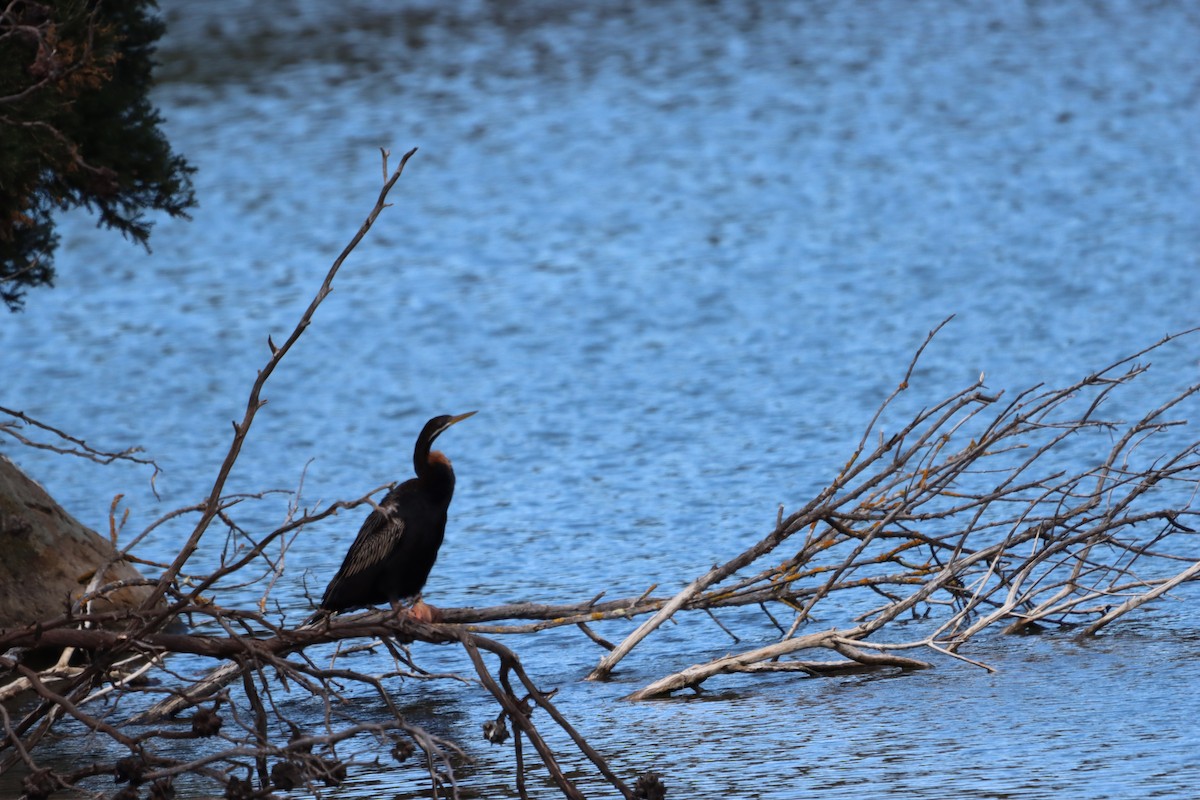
77 129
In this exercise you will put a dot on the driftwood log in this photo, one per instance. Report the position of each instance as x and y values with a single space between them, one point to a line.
50 562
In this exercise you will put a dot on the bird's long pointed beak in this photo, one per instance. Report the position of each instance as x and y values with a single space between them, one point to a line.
460 418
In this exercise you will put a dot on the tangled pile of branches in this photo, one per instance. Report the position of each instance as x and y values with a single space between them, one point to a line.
116 678
961 517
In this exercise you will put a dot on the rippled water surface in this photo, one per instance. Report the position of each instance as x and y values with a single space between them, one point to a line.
676 254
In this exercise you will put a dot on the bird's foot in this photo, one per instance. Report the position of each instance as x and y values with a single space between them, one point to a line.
420 611
423 612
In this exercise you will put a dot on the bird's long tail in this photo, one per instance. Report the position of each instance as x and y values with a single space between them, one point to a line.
320 616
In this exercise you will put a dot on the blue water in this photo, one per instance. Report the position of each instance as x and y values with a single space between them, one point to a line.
676 255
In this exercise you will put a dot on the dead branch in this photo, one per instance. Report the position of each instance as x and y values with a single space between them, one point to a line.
257 744
976 514
967 507
674 604
240 430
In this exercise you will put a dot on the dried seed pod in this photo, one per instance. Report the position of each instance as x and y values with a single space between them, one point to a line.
402 750
332 772
649 786
495 731
298 734
130 768
39 784
239 789
162 789
206 722
285 775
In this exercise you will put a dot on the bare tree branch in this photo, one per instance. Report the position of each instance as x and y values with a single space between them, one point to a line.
977 514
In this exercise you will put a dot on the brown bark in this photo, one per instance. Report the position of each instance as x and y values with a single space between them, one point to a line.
48 559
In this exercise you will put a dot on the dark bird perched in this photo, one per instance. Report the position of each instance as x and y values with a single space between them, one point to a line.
398 542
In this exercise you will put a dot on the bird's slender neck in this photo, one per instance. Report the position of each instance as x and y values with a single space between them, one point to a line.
435 472
433 469
421 456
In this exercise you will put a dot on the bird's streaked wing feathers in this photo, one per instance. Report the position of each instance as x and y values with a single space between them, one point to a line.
379 535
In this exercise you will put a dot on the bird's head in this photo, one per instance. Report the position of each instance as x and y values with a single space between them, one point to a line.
422 455
436 426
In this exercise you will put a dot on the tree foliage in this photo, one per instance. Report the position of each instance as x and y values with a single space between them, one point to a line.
77 129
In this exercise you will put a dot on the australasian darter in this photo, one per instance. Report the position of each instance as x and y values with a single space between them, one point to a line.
398 543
